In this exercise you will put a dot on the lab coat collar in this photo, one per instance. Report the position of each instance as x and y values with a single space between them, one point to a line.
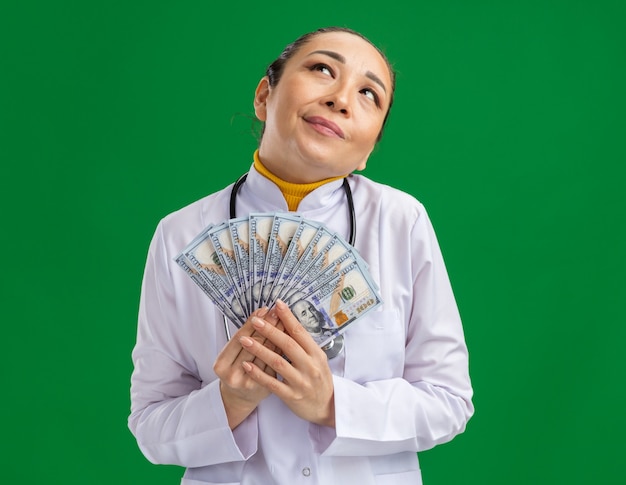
268 192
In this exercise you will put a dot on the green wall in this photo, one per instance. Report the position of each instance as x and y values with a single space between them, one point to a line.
508 124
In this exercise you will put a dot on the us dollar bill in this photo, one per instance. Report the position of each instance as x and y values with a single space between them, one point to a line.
223 243
327 308
201 253
311 270
323 271
284 227
318 244
249 262
239 231
305 233
218 299
260 228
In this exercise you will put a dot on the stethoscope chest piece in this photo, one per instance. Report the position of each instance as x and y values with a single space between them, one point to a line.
334 347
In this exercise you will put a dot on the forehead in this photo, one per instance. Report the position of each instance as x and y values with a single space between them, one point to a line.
358 52
301 305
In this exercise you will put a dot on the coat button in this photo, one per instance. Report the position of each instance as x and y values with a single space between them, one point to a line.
306 471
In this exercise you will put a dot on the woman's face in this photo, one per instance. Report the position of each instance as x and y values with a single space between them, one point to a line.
323 117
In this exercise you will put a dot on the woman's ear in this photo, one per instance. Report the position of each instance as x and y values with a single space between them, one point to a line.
260 98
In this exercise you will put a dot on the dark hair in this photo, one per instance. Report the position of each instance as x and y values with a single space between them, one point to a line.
275 70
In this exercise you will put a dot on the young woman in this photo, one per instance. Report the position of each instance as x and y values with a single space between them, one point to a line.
238 411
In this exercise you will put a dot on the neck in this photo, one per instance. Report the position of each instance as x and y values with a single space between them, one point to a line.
293 193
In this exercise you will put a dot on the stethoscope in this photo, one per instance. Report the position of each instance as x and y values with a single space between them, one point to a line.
334 348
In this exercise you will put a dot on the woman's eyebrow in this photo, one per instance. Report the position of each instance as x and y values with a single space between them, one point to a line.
333 54
338 57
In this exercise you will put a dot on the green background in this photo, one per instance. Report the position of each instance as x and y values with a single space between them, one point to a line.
508 124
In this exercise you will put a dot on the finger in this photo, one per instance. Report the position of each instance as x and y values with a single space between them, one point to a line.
232 351
273 359
281 340
272 319
269 317
270 382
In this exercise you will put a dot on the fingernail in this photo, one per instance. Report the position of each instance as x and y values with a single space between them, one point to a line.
247 366
281 304
257 322
246 341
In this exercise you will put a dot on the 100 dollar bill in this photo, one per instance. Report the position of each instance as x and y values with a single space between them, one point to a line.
333 304
249 262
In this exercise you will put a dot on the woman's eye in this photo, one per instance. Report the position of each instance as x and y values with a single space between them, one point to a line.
323 68
370 94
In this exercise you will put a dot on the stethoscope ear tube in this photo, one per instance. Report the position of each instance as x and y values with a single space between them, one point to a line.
351 215
233 195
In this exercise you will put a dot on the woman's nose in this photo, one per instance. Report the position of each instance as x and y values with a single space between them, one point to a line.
338 101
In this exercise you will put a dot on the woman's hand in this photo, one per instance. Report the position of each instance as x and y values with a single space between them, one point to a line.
307 385
240 393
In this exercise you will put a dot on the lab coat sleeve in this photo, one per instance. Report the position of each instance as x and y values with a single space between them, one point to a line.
175 419
431 402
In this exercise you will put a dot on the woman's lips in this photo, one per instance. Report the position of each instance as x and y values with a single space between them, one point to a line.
324 126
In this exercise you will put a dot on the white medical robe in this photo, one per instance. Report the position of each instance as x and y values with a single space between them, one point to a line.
401 385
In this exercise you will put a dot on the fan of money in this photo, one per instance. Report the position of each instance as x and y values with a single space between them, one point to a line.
249 262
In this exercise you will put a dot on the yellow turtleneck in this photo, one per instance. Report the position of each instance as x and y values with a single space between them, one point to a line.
293 193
